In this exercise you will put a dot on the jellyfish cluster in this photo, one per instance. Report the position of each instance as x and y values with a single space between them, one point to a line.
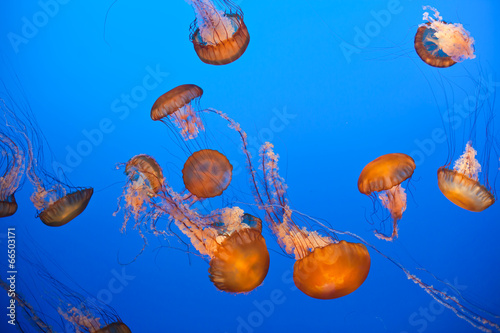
228 235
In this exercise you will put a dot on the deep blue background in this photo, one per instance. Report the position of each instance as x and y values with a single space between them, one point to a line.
346 112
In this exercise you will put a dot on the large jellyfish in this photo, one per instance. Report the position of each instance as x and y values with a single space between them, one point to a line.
13 160
56 200
442 44
385 174
232 240
218 33
177 104
238 254
461 184
325 268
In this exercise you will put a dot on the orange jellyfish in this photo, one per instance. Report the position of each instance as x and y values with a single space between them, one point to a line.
177 104
461 184
144 182
239 260
15 166
442 44
325 268
207 173
385 174
466 183
218 34
57 202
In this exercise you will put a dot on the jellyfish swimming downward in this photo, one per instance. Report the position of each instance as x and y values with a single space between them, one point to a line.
219 34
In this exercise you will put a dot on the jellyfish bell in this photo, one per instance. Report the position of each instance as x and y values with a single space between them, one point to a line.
385 174
207 173
239 259
177 104
442 44
66 208
241 262
145 166
324 268
461 185
219 36
332 271
8 207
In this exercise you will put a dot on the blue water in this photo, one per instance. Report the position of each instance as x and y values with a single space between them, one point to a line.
328 112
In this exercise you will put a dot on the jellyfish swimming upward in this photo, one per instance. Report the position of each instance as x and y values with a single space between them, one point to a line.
442 44
385 174
218 33
461 184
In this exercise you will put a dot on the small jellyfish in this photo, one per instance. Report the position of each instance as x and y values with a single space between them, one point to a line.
207 173
325 268
144 169
442 44
218 34
385 174
144 182
177 104
57 202
461 185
